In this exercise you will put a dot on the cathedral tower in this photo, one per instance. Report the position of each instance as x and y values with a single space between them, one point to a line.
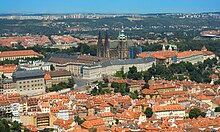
122 45
99 46
106 46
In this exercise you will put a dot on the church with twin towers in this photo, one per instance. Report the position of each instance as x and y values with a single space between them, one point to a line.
115 50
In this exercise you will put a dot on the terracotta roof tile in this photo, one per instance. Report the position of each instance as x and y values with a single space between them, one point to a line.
19 53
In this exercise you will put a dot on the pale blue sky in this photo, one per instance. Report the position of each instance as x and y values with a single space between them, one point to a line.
109 6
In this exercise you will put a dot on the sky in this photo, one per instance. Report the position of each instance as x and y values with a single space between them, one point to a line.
109 6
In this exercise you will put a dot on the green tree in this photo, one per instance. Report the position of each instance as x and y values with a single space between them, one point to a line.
147 76
116 90
194 113
105 80
3 76
94 91
203 114
47 130
133 74
116 121
115 85
217 82
16 126
79 120
52 68
196 76
146 85
5 125
134 96
217 109
148 112
70 83
179 68
120 73
26 130
93 129
2 127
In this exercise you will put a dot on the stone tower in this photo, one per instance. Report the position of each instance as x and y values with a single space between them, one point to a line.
106 46
99 46
122 45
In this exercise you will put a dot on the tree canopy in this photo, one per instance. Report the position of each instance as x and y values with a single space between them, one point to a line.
7 126
217 109
148 112
133 74
195 113
79 120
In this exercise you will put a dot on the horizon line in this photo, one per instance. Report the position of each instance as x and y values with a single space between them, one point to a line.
34 13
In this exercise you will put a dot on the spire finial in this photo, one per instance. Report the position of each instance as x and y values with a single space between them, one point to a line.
122 28
163 48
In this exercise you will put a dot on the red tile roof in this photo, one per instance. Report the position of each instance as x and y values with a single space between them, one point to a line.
175 107
93 123
19 53
81 96
188 53
107 114
47 76
8 68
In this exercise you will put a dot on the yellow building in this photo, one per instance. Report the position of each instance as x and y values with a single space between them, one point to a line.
38 120
13 55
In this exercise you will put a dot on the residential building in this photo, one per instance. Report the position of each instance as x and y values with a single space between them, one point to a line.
29 82
8 86
169 111
169 56
19 54
34 65
42 120
189 56
58 76
108 118
97 70
7 70
207 54
72 63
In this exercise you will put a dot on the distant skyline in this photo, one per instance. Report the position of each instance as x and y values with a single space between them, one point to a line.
109 6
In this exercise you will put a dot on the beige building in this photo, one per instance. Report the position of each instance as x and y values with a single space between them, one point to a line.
134 88
7 70
8 86
29 82
169 111
73 64
38 120
168 56
58 76
111 67
13 55
207 54
190 56
108 118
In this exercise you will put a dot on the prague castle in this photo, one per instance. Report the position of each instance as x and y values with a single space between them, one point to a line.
121 51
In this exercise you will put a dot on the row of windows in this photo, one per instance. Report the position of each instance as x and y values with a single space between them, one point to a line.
31 81
10 91
31 85
31 89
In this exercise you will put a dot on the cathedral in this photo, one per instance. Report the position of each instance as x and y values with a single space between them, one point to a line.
120 51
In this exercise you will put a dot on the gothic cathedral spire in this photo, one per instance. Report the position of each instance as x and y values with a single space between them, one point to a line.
99 45
106 46
122 45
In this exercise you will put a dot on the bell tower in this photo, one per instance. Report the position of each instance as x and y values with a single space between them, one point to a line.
99 46
106 46
122 45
